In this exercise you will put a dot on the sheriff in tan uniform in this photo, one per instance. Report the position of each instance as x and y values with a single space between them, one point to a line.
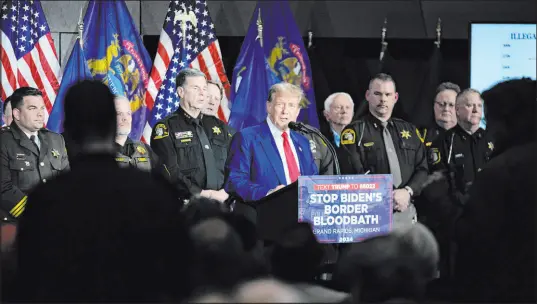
29 153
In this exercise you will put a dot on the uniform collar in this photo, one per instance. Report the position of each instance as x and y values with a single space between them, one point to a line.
479 133
377 123
128 141
187 116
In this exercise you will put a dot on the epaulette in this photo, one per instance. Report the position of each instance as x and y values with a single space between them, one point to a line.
355 123
165 119
5 129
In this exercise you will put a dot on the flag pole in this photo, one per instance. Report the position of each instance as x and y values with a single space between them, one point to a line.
259 24
383 42
310 39
81 26
438 33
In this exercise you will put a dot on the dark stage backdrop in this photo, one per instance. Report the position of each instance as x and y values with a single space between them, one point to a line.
346 64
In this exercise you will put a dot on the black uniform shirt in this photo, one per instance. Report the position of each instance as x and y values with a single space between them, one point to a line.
461 154
321 153
135 154
364 150
430 134
176 141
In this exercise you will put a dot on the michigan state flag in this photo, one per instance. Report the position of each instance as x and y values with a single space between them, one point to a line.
273 51
76 70
116 55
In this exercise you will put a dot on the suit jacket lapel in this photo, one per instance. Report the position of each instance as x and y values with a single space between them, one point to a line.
269 146
299 150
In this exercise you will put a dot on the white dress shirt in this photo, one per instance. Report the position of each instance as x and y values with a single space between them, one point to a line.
277 135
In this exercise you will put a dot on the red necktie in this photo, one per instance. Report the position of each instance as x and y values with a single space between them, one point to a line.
290 158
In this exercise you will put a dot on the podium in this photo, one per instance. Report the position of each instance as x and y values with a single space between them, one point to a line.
273 214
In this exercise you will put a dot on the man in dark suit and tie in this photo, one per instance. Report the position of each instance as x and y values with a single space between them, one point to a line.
267 157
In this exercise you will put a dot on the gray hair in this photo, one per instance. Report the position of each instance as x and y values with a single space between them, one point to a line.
185 73
330 99
285 87
444 86
463 95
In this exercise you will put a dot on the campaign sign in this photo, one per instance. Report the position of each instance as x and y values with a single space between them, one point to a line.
346 208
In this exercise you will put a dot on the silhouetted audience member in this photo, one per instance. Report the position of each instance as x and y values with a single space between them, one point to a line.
225 245
496 230
101 233
394 268
296 257
268 291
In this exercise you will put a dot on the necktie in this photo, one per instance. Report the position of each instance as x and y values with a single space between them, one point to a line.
393 161
33 139
290 158
208 157
337 139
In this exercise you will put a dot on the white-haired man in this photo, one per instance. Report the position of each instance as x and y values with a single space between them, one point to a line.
338 111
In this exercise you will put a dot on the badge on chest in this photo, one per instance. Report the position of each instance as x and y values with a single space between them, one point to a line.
185 136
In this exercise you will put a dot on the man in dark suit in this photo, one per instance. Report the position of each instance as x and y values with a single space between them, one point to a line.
267 157
30 154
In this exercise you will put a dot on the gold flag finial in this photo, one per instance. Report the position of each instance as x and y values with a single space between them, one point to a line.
259 23
438 33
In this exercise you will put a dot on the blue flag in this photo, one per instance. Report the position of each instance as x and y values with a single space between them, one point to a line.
76 70
283 58
252 79
116 55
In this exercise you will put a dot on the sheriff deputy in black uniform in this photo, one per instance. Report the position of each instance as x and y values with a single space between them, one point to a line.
462 151
130 153
321 153
30 154
380 144
444 113
192 147
457 156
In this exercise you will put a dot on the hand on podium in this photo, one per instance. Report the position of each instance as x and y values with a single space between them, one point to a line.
275 189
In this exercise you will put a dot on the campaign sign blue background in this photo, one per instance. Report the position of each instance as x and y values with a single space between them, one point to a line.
346 208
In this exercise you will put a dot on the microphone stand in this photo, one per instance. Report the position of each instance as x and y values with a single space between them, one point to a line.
308 129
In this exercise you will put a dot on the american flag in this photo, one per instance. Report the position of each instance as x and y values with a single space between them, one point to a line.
187 39
27 51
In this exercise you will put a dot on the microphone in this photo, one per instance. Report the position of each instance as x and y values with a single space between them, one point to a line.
298 126
301 127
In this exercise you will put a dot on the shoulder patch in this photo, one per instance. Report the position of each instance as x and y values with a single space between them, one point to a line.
434 156
161 131
348 137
